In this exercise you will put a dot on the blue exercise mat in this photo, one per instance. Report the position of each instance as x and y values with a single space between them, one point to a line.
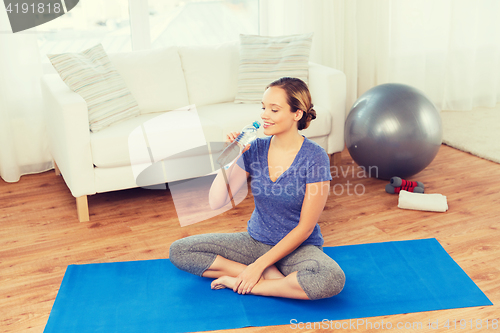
154 296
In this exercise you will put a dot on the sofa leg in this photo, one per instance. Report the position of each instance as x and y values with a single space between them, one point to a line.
336 159
58 172
82 208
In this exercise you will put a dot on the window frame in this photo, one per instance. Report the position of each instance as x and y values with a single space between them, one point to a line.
140 30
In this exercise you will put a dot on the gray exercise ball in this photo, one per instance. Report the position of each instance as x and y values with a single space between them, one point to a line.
393 130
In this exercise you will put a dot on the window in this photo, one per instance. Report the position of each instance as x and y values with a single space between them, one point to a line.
91 22
155 23
201 22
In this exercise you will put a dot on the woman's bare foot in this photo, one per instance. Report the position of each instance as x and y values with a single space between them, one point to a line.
223 282
270 273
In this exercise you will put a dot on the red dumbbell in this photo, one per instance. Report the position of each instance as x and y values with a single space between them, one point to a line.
397 184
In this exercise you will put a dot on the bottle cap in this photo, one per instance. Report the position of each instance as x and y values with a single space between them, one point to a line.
256 124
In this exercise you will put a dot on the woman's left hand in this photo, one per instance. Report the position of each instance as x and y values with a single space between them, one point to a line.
248 279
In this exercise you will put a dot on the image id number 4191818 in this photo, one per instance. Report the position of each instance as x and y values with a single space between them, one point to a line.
34 7
26 14
464 324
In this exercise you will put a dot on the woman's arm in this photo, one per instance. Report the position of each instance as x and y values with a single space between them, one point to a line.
236 178
314 202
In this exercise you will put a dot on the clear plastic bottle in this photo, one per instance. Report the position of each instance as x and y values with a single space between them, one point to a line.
247 135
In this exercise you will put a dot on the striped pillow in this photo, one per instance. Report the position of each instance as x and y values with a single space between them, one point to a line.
92 76
265 59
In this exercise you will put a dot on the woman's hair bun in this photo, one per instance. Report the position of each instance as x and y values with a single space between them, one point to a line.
311 114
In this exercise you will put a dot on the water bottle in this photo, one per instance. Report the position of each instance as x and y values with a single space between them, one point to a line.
247 135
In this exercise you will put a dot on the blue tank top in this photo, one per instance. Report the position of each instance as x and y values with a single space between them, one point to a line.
278 204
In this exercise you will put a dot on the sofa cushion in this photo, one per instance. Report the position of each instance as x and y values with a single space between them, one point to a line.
91 75
211 72
265 59
111 147
154 77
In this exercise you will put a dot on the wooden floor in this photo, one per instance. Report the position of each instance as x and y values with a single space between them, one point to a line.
40 234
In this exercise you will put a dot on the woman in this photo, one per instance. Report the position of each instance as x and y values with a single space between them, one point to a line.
281 252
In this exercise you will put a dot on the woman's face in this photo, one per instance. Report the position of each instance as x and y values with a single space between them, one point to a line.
276 113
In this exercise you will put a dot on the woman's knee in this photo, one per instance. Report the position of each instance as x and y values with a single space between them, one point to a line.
177 249
324 283
334 283
187 255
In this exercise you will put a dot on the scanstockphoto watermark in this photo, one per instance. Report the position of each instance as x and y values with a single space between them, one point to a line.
350 187
356 324
484 324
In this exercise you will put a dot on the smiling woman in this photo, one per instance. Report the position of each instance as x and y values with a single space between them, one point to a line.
281 253
297 97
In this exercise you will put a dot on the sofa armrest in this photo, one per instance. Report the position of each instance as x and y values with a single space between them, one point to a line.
328 89
66 119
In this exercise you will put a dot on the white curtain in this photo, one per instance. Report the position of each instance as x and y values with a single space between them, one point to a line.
23 139
449 49
334 27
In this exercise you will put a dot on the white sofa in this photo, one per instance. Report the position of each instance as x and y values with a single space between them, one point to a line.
162 80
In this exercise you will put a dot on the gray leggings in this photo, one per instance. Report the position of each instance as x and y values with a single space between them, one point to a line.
318 274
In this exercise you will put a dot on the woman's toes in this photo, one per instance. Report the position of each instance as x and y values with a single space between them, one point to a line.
223 282
217 284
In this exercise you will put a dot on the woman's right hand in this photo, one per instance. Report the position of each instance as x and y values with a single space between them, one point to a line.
232 136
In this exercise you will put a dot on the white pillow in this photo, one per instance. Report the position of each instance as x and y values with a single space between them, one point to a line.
265 59
154 77
211 72
91 75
